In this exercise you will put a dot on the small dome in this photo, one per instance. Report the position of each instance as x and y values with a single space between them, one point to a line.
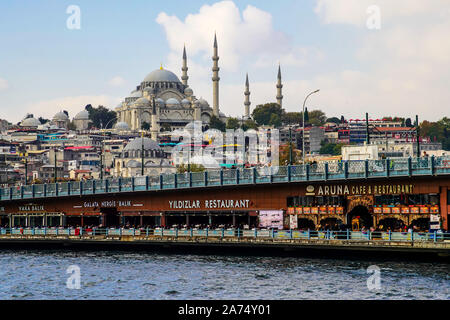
123 126
203 102
172 102
188 91
161 75
82 115
61 116
135 94
150 90
30 122
142 101
160 102
133 164
136 144
185 102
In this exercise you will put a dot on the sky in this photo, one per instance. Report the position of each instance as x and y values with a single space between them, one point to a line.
384 57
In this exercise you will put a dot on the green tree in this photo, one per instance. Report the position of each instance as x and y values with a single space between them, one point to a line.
145 126
233 123
43 120
193 167
408 122
249 124
330 148
334 120
285 157
71 126
317 117
262 113
291 118
275 120
165 127
216 123
101 117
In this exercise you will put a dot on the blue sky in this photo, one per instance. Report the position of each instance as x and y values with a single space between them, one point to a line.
399 69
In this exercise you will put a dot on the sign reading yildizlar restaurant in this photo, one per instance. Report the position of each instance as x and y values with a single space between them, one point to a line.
342 189
209 204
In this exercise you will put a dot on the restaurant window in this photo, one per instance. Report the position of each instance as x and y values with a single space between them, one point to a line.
434 199
448 197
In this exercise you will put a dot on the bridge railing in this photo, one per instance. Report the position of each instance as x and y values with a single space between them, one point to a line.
237 233
337 170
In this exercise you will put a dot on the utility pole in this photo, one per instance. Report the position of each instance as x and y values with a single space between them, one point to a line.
101 165
303 133
367 129
290 146
56 170
417 136
142 155
26 170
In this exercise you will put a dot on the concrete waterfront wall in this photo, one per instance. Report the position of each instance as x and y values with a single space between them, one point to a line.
353 249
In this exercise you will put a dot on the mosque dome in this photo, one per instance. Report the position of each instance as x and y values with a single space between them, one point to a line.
121 126
160 102
135 94
185 102
203 102
188 91
82 115
136 144
30 122
150 90
142 102
172 102
61 116
161 75
133 164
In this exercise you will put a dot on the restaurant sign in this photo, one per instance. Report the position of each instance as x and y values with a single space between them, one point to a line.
341 190
209 204
31 207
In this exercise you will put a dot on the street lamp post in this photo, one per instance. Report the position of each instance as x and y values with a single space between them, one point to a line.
303 132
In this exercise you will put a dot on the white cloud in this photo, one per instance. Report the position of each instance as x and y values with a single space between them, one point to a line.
241 36
403 68
48 108
354 12
3 84
116 81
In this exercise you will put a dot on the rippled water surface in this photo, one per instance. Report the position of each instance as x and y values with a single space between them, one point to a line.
137 275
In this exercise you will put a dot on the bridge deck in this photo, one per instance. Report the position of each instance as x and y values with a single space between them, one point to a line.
369 169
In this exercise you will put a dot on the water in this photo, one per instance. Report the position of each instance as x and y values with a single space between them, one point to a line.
137 275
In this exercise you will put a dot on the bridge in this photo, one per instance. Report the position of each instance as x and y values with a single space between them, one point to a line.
345 170
374 191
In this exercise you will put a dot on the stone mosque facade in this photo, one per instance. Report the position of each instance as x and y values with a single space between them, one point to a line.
165 103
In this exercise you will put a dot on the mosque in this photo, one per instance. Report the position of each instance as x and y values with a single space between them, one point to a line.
165 103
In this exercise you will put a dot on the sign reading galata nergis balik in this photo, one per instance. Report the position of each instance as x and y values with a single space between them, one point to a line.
341 190
209 204
107 204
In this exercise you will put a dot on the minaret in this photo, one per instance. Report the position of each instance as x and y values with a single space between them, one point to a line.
215 79
184 77
247 99
279 88
155 118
